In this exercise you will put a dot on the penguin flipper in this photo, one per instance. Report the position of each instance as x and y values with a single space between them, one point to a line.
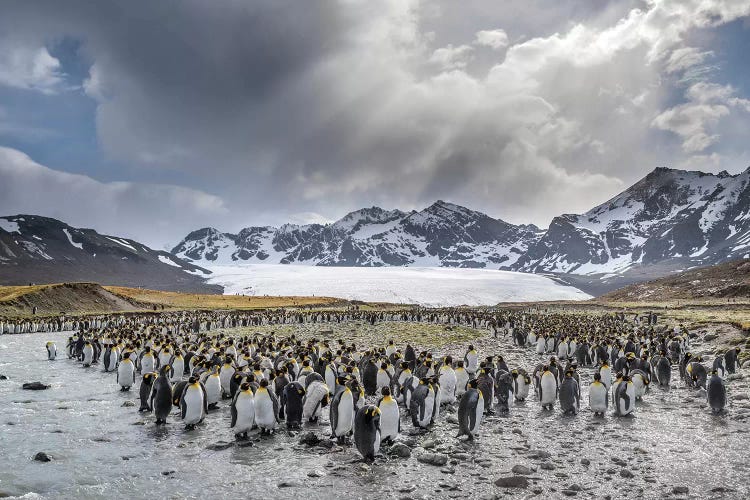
233 410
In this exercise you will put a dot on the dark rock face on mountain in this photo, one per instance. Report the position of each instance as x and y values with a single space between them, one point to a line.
668 221
671 218
442 234
44 250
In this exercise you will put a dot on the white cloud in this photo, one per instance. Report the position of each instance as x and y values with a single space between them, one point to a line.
686 57
29 68
451 57
495 39
151 213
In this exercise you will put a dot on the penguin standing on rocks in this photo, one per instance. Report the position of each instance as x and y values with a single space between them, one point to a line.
126 373
316 397
51 351
663 370
730 360
486 384
292 398
242 410
367 432
504 391
341 413
716 393
462 378
547 388
470 411
570 395
390 418
422 404
624 397
448 381
147 383
598 396
193 407
521 383
161 396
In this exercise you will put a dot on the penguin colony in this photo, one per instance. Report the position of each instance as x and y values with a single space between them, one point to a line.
367 394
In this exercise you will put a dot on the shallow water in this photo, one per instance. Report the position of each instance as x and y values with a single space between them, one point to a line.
101 449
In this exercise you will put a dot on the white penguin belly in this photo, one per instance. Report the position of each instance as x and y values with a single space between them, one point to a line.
598 398
213 389
448 386
389 417
478 416
245 407
345 414
264 414
429 406
549 389
193 406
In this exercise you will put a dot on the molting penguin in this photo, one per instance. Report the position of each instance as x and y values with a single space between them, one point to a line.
126 373
504 391
341 413
193 403
570 401
292 398
144 392
161 396
316 397
266 408
390 419
470 411
624 397
598 396
716 393
422 404
51 351
242 410
367 432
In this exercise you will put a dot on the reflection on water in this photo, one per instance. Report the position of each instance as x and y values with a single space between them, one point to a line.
102 449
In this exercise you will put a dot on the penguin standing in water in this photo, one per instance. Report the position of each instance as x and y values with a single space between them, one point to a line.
606 374
367 432
640 383
110 358
422 404
266 408
212 384
88 354
126 373
147 383
161 396
547 388
624 397
470 411
243 411
292 398
390 418
570 395
716 393
51 351
193 403
341 413
225 377
598 396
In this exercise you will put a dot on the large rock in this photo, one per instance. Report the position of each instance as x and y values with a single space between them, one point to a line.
521 470
35 386
437 459
512 482
400 450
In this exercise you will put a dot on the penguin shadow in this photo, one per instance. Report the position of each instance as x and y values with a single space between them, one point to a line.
158 432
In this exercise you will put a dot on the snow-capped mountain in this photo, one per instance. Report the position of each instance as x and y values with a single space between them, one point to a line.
668 218
442 234
44 250
668 221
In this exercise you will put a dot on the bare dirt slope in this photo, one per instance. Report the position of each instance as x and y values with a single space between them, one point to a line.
69 298
728 280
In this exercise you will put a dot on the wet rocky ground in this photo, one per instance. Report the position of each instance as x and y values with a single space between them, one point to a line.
99 446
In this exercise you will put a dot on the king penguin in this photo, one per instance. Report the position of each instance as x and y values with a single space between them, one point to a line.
243 411
367 432
470 411
193 403
570 401
266 408
716 393
624 397
161 396
598 396
341 413
126 373
51 351
390 418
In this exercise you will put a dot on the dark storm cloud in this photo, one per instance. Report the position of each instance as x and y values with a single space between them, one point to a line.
286 107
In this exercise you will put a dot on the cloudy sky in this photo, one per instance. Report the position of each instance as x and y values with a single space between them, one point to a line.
150 118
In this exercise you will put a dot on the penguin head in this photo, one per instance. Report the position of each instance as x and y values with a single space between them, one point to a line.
193 380
597 377
569 374
472 383
263 383
385 391
245 386
383 366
